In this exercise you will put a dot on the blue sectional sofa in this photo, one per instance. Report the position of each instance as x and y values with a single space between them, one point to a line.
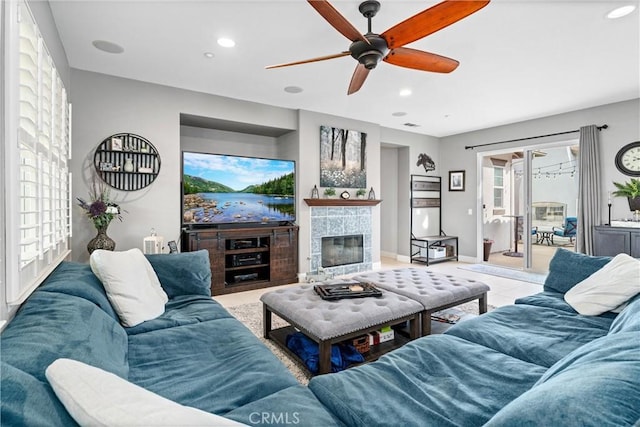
196 353
537 362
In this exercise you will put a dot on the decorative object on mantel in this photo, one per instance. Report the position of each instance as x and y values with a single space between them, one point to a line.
372 194
628 159
329 192
342 158
630 190
314 192
425 160
127 162
345 195
360 193
101 210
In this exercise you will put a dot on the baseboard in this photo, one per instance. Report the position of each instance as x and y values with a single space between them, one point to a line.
404 258
468 259
389 254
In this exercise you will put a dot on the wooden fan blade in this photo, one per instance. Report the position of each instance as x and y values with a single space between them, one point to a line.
306 61
431 20
358 78
420 60
337 21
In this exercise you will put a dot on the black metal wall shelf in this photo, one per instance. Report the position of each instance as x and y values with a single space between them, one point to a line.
127 162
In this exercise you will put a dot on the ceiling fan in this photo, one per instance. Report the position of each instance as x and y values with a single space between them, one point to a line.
370 48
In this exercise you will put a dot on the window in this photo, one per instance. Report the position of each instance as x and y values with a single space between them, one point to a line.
498 187
37 151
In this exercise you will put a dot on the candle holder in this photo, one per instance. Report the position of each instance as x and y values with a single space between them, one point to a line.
609 204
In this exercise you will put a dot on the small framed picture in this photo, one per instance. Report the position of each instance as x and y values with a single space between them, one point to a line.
116 144
106 166
456 180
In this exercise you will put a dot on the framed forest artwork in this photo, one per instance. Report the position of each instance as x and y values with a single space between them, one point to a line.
343 158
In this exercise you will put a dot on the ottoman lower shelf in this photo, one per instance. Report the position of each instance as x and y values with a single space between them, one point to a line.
279 336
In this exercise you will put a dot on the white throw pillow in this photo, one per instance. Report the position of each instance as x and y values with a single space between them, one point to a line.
94 397
608 288
131 284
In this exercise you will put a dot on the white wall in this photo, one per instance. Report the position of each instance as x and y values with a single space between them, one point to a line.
389 193
309 132
624 127
104 105
409 145
223 142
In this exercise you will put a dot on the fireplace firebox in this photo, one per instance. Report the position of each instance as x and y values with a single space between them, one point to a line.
342 250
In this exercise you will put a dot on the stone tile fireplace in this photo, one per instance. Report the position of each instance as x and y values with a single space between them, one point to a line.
341 223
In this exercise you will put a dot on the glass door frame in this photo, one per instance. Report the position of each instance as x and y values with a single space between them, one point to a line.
527 193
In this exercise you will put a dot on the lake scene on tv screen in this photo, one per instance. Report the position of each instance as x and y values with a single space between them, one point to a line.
221 189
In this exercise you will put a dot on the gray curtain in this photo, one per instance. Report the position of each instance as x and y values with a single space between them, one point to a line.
589 189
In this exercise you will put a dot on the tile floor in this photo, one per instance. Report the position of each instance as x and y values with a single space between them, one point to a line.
503 291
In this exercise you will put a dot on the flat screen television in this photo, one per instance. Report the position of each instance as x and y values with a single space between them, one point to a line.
224 189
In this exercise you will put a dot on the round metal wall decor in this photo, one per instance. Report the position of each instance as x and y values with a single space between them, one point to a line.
127 162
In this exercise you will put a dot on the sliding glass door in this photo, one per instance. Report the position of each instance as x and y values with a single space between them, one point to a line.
529 200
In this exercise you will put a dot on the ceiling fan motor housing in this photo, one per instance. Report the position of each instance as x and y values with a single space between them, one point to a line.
369 54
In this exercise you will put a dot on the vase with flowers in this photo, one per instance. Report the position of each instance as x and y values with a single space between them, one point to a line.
101 210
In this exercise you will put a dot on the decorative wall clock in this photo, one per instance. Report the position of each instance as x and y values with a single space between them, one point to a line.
628 159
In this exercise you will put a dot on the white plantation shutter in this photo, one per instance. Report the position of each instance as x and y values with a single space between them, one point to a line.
37 151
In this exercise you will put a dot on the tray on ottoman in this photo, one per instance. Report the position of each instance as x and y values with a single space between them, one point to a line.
349 289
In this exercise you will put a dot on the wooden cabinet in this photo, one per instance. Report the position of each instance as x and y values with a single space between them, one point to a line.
611 241
247 258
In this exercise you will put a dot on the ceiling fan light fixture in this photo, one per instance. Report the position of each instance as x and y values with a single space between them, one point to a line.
619 12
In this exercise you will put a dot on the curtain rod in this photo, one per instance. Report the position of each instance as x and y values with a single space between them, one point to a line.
471 147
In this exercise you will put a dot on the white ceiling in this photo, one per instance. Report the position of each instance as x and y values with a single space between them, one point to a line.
518 59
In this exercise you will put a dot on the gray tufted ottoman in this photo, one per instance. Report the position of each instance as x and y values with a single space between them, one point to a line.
330 322
434 291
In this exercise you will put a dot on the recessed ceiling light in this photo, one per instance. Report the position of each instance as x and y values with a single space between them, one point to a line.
621 11
209 55
293 89
106 46
225 42
405 92
399 114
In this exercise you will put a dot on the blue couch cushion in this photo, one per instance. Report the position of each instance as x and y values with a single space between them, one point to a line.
52 325
187 273
553 300
289 407
596 385
77 279
535 334
183 310
568 268
629 319
437 380
216 366
29 402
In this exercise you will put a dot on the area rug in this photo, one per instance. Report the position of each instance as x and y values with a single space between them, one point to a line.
251 316
506 273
